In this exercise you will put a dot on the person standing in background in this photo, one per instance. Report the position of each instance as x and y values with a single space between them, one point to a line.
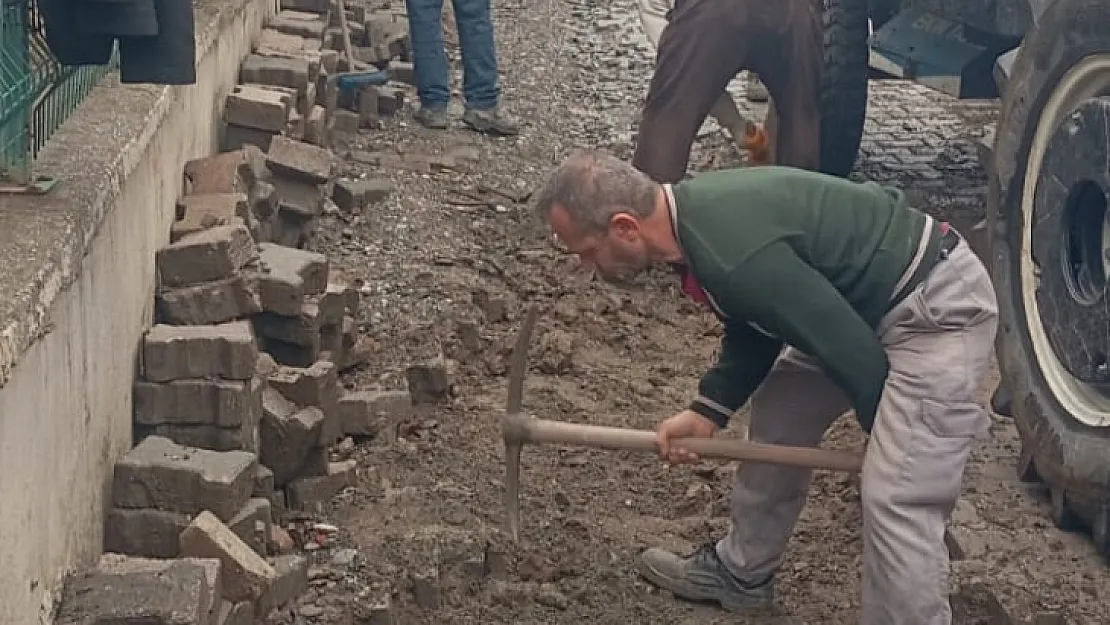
702 47
481 90
653 16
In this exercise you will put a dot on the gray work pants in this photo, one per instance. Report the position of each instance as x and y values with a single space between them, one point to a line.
939 341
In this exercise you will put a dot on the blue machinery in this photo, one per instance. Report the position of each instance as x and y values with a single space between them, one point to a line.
946 55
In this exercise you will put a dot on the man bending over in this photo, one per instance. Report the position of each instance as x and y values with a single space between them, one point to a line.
834 295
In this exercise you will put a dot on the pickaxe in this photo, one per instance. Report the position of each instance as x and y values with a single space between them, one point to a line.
518 429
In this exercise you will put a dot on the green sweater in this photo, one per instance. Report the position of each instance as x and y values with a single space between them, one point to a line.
793 257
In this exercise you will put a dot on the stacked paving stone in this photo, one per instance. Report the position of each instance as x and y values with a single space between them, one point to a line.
236 405
187 541
198 385
208 386
279 196
251 336
303 180
279 119
238 399
284 88
190 531
160 487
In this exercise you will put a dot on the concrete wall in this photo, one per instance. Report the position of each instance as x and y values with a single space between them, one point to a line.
76 289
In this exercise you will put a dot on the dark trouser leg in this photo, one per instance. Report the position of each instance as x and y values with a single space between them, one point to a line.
694 64
793 78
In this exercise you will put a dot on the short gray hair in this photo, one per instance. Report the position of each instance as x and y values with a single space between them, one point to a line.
593 186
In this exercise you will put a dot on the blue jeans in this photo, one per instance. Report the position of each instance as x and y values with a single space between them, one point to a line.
480 87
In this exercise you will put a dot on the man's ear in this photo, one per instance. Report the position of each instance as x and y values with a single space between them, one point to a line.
624 226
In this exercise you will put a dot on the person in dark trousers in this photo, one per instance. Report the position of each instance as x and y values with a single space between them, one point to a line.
157 43
834 295
481 90
705 44
653 17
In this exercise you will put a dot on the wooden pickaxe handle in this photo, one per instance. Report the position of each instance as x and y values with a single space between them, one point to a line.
523 430
519 430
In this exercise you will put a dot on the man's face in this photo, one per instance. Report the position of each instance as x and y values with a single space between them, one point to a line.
618 255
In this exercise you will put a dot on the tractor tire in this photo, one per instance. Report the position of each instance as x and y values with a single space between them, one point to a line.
843 84
1047 206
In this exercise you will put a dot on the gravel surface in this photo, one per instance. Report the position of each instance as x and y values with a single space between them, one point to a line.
445 266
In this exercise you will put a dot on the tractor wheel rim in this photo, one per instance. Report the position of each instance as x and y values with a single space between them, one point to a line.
1087 79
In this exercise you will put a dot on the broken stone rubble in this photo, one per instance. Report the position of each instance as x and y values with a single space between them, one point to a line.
355 195
298 51
247 575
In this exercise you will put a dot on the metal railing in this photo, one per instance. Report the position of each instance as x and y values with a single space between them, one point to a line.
37 93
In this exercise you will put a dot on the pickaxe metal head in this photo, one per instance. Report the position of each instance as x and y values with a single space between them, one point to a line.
511 421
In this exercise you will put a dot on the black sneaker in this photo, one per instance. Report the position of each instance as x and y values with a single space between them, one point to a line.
703 578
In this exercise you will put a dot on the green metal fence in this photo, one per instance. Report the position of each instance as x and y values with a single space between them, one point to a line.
37 93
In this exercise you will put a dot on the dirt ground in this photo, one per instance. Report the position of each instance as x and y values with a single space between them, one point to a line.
446 266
